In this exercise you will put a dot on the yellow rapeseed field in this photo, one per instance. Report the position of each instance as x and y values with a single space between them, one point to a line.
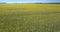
29 17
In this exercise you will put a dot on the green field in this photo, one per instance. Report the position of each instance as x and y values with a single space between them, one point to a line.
29 17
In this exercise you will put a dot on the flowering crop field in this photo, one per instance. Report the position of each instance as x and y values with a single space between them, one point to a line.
29 17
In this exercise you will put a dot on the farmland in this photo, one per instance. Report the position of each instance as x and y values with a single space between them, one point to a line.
29 17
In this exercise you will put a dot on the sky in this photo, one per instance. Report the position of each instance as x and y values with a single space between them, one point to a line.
28 1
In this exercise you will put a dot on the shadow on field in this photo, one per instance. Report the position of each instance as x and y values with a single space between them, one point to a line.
30 22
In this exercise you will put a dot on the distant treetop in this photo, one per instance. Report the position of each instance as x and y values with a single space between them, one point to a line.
2 2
